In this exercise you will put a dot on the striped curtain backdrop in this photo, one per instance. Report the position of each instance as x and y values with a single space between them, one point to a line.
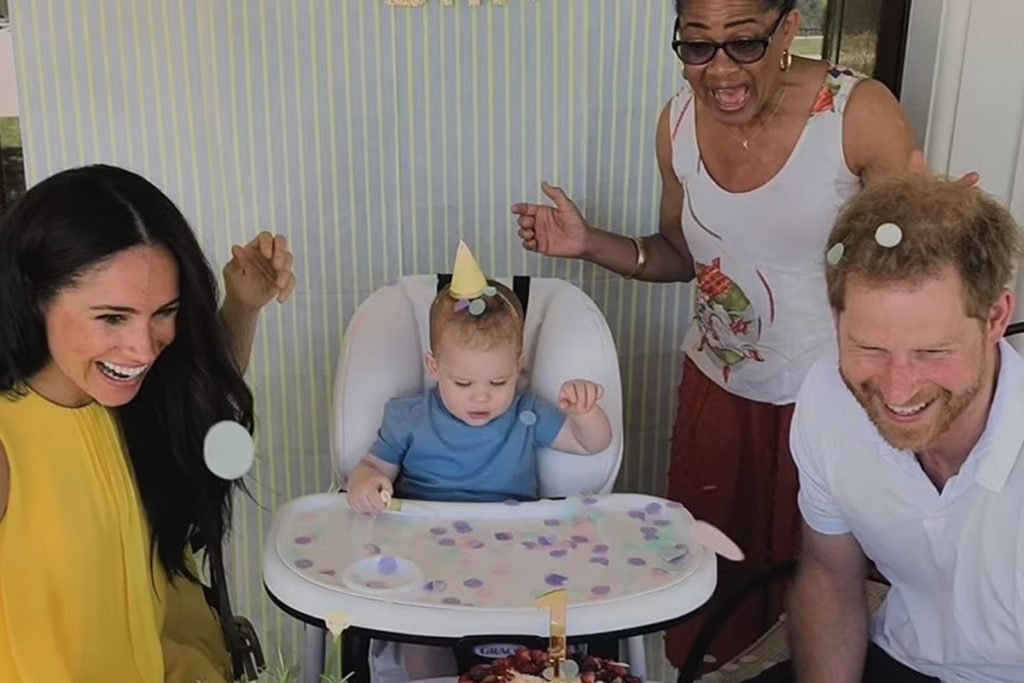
375 137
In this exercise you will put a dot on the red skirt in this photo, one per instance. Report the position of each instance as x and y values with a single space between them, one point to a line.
731 466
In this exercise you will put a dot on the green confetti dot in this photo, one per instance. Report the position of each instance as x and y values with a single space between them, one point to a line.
835 254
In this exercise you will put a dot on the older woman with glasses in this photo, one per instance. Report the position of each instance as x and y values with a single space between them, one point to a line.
758 150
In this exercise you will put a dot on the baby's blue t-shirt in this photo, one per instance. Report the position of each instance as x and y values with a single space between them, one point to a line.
443 458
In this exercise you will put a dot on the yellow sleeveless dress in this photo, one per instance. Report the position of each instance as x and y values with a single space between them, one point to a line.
80 598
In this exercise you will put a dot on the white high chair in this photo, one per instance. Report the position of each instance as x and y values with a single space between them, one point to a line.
565 337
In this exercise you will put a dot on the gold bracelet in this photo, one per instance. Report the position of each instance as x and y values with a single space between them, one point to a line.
641 258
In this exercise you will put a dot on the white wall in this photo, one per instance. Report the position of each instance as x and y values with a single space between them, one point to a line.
964 91
919 68
8 86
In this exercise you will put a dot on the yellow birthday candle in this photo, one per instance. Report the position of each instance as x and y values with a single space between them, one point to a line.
336 623
556 603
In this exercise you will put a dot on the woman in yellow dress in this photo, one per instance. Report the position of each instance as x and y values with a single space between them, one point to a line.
114 363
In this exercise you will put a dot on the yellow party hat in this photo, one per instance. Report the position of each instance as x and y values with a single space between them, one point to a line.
468 281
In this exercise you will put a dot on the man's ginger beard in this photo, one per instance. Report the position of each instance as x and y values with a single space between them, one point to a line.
945 411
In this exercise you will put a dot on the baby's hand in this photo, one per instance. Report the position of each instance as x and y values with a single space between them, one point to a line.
370 493
579 396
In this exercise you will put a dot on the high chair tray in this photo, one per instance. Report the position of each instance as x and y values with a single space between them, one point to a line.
455 569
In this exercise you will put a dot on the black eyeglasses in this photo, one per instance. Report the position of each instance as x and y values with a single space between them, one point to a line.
741 50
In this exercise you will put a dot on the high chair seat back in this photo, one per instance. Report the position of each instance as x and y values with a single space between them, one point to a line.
565 337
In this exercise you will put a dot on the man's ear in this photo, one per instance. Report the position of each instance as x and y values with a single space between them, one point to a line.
430 363
999 316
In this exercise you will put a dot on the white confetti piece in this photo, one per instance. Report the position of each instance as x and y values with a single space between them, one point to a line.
228 450
888 235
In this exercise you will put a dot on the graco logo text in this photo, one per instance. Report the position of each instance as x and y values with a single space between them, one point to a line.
496 650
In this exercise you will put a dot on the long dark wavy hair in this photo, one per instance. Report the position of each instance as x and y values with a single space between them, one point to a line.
59 230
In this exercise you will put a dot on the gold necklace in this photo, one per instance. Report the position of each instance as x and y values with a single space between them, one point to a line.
746 142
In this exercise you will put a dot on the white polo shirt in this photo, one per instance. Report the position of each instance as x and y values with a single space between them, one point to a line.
956 558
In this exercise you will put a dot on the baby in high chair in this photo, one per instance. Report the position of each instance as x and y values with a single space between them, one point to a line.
474 435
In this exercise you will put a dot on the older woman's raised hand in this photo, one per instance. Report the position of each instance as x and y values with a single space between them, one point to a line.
558 230
919 166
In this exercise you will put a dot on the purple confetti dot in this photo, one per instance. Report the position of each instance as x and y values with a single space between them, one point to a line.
637 514
303 540
439 531
475 544
435 586
304 564
529 545
472 583
673 504
599 560
600 548
581 539
544 540
450 601
462 527
555 579
511 502
387 565
551 522
503 536
328 572
446 541
653 508
601 590
589 500
558 553
662 522
637 561
371 549
648 530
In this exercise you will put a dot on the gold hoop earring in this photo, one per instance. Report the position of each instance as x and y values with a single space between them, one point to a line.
786 61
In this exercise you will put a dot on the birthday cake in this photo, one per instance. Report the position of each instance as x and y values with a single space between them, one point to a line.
535 666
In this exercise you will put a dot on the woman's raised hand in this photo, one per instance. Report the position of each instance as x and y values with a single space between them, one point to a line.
558 230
